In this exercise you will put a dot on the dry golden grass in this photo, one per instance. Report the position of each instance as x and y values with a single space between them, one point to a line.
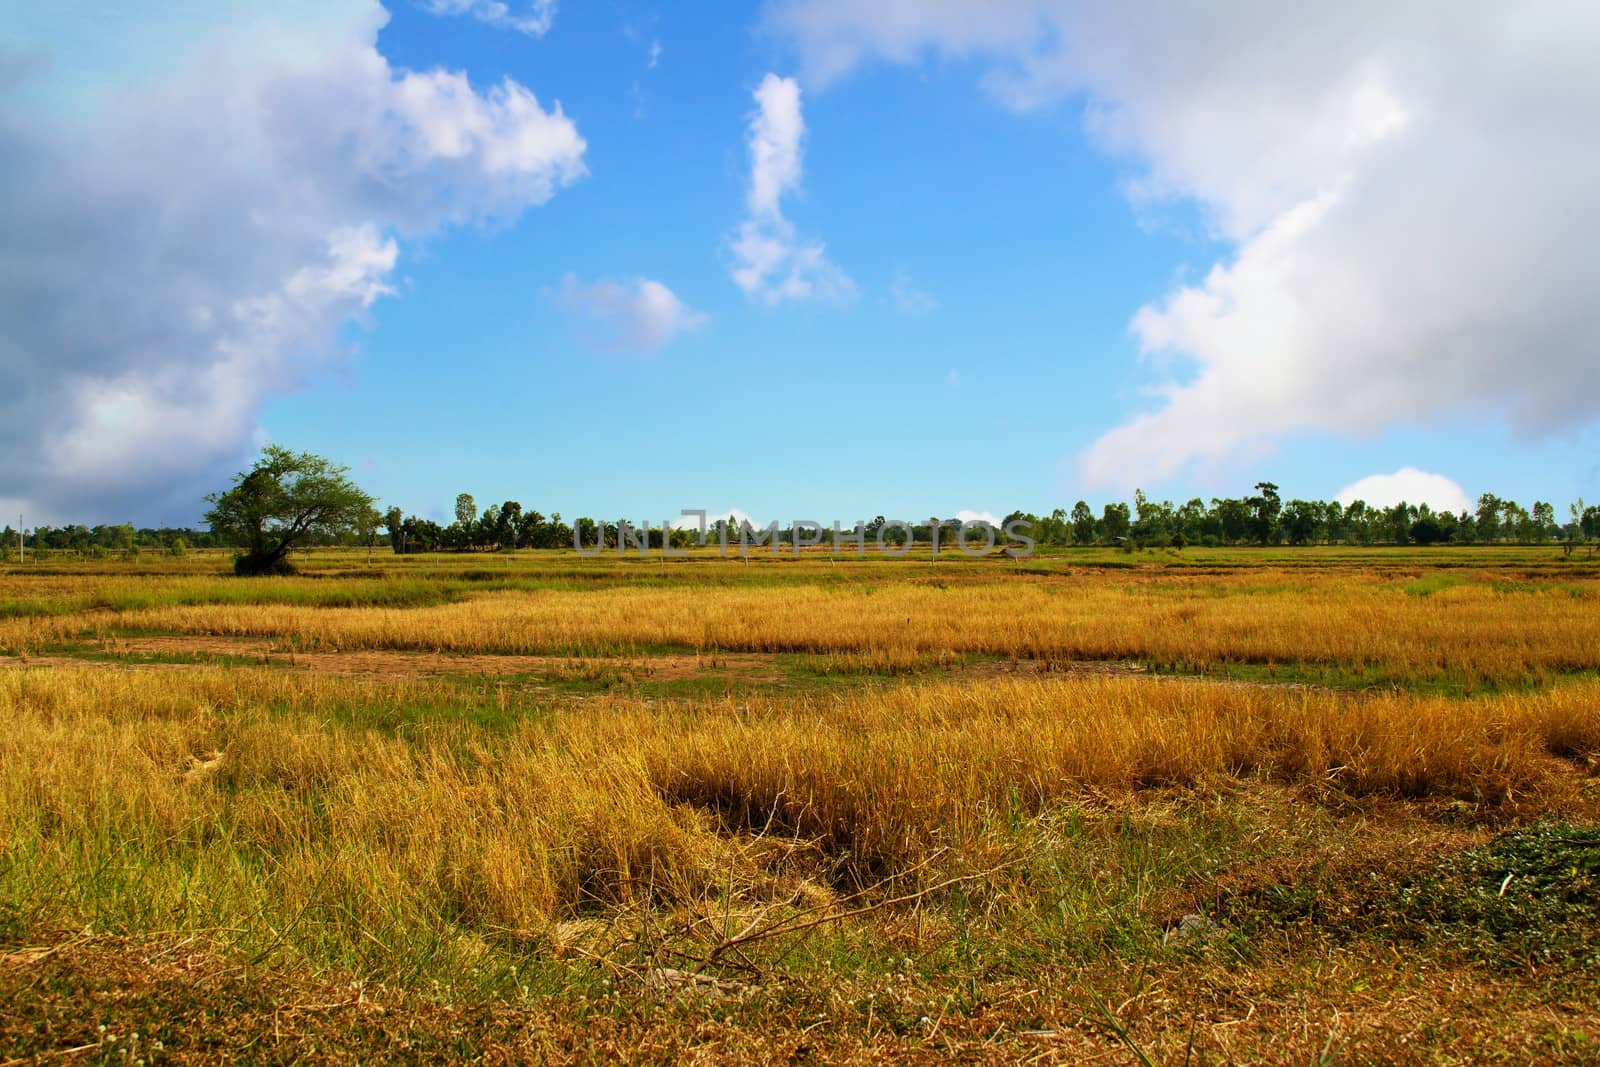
1503 626
617 802
570 835
1475 631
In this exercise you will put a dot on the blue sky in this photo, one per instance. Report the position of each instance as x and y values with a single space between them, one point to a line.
1008 222
993 263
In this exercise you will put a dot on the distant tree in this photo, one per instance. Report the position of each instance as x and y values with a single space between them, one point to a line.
367 524
1054 530
1544 522
1153 520
1427 530
1397 522
554 532
282 501
587 532
1488 517
487 529
1264 509
1514 521
466 510
395 520
1233 518
1193 522
422 534
1082 523
1333 521
537 532
1115 523
1301 521
508 531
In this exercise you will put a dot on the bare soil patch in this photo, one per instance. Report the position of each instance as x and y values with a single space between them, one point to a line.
387 662
393 663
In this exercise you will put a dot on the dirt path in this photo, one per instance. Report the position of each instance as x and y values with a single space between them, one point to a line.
747 666
393 663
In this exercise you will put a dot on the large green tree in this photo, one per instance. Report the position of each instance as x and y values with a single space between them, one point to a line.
281 502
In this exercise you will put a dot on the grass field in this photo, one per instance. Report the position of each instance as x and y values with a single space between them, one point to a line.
1301 806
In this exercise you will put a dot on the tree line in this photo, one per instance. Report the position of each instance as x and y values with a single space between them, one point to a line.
105 539
1265 518
292 500
500 526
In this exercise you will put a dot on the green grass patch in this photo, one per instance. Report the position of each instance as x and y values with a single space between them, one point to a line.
1529 897
1432 583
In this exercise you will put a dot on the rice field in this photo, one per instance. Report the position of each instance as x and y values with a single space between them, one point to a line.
1219 806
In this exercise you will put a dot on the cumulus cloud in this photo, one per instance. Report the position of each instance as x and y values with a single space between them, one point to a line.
178 243
534 18
772 263
641 315
1408 485
968 515
1409 208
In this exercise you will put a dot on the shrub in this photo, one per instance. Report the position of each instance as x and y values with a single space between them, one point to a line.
247 565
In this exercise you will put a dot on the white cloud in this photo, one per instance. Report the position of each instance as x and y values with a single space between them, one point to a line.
771 262
908 299
968 515
641 315
1411 211
181 240
1409 486
535 17
775 132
